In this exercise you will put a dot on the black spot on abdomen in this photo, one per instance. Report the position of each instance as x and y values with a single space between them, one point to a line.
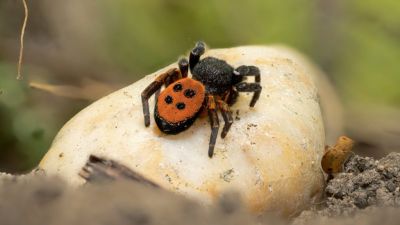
189 93
168 99
180 105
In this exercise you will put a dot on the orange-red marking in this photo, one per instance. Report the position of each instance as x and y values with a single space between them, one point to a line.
170 112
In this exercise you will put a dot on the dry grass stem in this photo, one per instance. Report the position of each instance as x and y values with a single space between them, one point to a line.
21 50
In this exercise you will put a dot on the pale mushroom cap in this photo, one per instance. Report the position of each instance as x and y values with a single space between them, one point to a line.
271 154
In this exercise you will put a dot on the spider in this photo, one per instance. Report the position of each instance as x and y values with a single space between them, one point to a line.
215 85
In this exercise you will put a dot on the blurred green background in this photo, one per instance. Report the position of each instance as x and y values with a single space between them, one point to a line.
95 47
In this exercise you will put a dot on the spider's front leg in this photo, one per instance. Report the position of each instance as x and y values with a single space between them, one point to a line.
154 87
214 121
183 68
249 87
195 54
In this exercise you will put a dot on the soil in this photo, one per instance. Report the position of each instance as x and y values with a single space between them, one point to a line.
365 182
367 192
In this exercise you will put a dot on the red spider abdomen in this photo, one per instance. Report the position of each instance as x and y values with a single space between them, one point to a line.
180 101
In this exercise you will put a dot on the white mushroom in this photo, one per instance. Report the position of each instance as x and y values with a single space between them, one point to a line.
271 155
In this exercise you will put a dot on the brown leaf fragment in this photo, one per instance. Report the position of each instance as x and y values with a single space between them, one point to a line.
334 157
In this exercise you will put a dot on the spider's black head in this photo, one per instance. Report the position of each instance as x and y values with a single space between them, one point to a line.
216 75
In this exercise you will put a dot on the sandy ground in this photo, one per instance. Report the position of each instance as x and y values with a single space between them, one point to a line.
366 193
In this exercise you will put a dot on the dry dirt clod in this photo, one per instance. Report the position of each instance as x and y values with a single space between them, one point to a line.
364 183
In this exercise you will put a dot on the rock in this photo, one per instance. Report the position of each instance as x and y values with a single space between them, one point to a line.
6 177
12 178
271 156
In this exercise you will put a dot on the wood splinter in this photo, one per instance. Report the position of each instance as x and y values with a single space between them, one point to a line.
99 170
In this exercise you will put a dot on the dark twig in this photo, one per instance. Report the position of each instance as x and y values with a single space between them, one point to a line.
99 170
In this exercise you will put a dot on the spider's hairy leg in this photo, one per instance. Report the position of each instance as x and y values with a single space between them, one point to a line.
214 121
232 96
249 87
183 67
195 54
172 78
226 115
154 88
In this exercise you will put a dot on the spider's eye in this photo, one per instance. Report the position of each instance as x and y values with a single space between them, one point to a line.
189 93
168 99
177 87
180 105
